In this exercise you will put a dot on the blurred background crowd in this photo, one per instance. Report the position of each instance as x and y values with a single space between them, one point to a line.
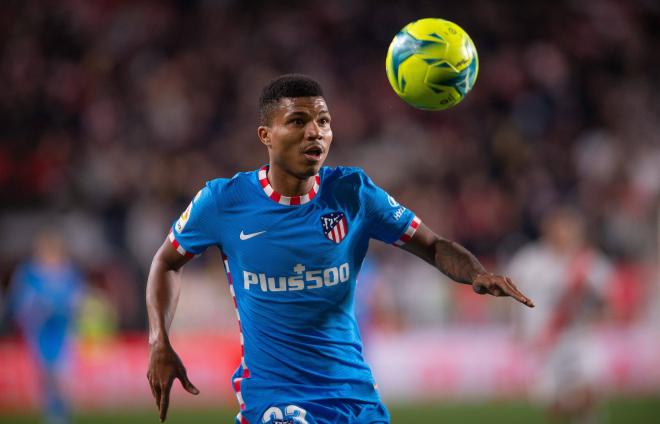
114 113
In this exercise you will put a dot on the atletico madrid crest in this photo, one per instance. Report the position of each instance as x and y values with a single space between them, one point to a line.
334 226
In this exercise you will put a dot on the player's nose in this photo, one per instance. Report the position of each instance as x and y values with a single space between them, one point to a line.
312 131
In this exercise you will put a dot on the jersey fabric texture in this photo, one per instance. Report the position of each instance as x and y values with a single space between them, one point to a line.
292 265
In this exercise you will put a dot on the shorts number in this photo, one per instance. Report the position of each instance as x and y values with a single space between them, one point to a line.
295 412
272 413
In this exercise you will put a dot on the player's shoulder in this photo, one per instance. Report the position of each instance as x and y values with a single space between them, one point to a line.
212 191
226 191
342 170
344 181
352 174
220 186
216 186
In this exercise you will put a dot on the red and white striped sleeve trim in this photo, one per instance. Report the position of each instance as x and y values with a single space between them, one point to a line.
178 247
410 232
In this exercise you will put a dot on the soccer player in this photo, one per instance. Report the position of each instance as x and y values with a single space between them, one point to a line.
293 235
44 299
569 279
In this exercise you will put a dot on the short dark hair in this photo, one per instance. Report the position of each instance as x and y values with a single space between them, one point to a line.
289 85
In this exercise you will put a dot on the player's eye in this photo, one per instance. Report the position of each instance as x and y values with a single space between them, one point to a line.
297 121
324 121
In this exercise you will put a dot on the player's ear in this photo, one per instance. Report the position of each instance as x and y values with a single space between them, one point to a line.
263 132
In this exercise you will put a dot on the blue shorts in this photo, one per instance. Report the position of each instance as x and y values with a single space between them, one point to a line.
329 411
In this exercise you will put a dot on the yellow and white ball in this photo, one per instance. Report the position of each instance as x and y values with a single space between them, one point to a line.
432 64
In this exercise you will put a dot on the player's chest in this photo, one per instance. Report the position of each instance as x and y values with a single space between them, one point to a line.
281 235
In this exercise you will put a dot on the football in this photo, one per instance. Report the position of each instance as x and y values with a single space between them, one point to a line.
432 64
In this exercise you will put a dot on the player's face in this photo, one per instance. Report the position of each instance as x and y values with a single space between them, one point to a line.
299 135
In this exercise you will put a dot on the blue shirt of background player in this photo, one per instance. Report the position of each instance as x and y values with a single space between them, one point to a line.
44 301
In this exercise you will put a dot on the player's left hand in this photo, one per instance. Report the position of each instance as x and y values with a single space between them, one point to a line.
497 285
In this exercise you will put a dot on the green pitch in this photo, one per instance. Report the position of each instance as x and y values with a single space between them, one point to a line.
628 411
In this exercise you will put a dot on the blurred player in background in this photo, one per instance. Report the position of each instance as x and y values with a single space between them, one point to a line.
294 235
44 298
567 278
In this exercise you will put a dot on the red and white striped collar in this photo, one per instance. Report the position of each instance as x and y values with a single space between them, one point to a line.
286 200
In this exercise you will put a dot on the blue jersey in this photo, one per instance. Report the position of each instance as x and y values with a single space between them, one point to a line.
44 300
292 264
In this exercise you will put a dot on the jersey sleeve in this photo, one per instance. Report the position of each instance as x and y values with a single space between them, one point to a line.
193 232
387 220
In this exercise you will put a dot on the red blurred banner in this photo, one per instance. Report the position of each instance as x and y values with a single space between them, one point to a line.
420 365
111 374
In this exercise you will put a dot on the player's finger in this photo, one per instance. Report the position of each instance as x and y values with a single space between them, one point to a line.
519 296
190 388
165 400
153 391
156 390
516 294
510 290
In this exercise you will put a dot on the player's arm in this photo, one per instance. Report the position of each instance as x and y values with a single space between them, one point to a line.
460 265
163 287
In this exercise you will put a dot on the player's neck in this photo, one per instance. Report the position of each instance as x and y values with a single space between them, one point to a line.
287 184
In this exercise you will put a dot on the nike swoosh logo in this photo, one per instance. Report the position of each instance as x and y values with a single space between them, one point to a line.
249 236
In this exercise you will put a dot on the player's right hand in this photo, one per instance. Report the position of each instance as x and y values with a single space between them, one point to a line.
164 366
498 285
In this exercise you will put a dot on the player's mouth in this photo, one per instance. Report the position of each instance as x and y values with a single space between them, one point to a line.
313 153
